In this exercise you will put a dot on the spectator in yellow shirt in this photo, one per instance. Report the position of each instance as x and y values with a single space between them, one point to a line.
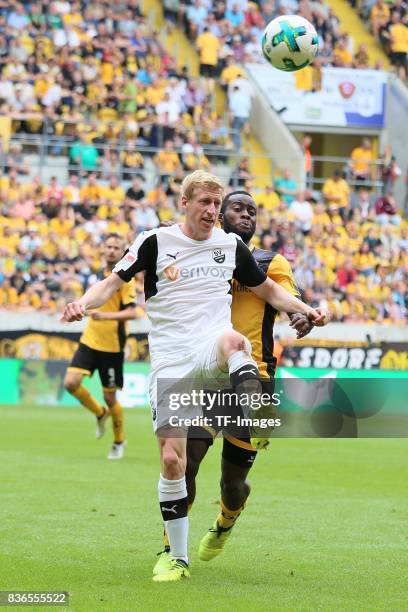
91 191
29 298
167 160
327 253
62 224
118 225
72 192
320 216
165 211
365 261
73 18
353 308
231 72
341 55
336 192
157 196
361 161
10 240
354 237
398 32
208 47
114 192
379 16
155 93
8 295
13 189
269 198
133 161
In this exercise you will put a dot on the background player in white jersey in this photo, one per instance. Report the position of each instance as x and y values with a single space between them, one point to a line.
188 271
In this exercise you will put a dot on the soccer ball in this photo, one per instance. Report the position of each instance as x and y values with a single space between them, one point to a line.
289 42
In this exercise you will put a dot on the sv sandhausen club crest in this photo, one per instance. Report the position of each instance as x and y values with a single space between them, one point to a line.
218 256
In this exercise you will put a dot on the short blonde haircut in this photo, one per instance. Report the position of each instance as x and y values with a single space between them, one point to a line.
200 179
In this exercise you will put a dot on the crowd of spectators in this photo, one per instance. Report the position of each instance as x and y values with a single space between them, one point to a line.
388 22
349 250
100 76
227 33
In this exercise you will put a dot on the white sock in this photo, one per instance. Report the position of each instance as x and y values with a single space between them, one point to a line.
239 359
174 505
244 379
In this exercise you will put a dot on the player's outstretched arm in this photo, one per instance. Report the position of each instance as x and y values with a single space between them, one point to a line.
128 314
248 273
97 295
283 301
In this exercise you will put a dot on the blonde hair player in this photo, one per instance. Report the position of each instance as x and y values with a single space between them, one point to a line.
191 334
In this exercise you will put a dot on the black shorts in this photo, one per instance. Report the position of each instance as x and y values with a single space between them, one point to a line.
237 451
208 70
398 58
109 366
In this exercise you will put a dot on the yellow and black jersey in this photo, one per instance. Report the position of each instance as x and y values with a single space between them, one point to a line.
255 318
110 336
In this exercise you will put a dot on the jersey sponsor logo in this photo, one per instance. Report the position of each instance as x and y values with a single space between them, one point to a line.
237 287
173 256
218 256
172 273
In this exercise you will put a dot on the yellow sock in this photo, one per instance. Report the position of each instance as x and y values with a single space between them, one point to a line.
116 412
88 401
227 517
166 541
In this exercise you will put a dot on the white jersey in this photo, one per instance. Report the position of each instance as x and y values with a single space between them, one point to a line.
187 285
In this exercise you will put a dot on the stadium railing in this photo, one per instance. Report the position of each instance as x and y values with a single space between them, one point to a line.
49 148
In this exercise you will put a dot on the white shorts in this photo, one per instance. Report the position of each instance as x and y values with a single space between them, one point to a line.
198 370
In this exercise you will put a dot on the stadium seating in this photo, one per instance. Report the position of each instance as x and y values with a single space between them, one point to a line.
234 29
118 118
388 22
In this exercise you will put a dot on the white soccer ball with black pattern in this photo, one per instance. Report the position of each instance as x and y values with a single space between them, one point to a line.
290 42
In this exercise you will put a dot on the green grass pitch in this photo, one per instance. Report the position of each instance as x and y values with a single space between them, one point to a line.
325 529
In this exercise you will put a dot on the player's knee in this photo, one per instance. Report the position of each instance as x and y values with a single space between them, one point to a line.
234 491
71 384
173 465
232 341
109 398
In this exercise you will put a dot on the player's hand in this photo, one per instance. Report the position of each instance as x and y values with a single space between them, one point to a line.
74 311
325 317
318 316
301 324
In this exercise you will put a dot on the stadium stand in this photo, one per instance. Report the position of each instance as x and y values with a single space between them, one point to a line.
388 22
95 95
232 30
